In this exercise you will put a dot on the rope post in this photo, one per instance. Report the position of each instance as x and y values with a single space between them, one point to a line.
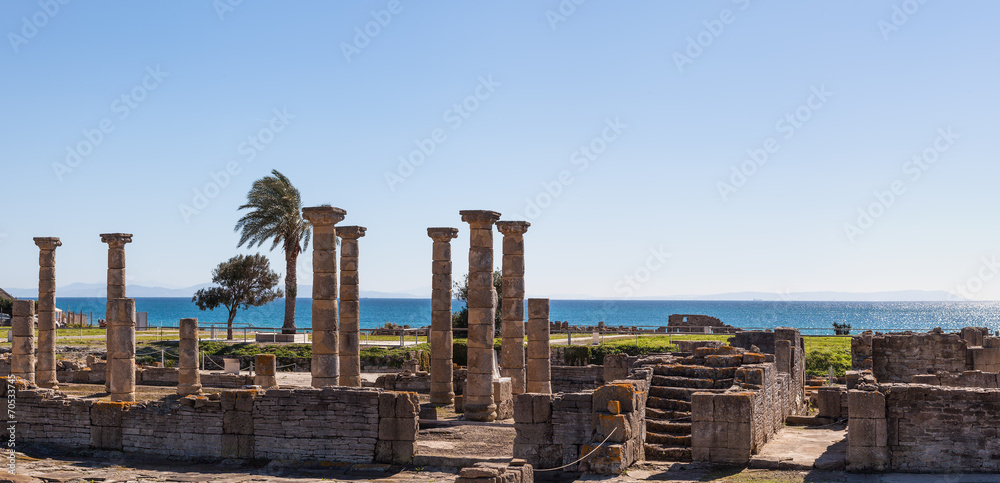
162 362
569 337
402 343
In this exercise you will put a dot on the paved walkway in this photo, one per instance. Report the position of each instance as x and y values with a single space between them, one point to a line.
804 448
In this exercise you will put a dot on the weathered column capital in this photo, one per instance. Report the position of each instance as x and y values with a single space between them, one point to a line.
512 227
479 218
47 243
442 234
323 215
116 240
351 232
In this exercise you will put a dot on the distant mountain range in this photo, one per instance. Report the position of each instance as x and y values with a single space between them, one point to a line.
100 290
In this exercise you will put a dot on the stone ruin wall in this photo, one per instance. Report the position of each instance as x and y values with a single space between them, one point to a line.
558 429
900 357
697 323
355 425
925 429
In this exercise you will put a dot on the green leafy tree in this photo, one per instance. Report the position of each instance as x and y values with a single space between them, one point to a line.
276 215
244 281
460 319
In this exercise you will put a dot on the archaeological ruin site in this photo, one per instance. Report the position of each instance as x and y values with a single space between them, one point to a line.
914 402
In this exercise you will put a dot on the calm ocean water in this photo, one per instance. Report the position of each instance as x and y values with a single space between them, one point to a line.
883 316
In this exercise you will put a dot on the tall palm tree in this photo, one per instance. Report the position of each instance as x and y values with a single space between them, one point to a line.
276 215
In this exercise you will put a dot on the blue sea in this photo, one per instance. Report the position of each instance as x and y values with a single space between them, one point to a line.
817 317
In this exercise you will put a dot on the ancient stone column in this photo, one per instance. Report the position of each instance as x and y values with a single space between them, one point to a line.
188 377
265 368
45 375
512 311
22 358
121 349
539 374
442 374
325 316
350 342
116 286
478 397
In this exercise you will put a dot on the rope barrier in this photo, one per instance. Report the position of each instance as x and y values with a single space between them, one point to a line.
584 456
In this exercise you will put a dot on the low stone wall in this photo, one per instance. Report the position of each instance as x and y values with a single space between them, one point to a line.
335 424
155 376
926 429
518 471
899 357
419 382
557 429
730 427
832 402
577 378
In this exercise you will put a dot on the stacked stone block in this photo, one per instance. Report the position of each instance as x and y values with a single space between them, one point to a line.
722 427
106 424
116 287
265 371
512 348
325 314
22 360
45 375
188 377
539 373
237 423
121 349
620 411
442 374
397 427
350 342
615 367
193 427
478 400
45 416
867 432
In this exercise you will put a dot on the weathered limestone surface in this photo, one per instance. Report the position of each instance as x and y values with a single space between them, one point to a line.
188 377
45 375
518 471
539 373
867 432
512 331
22 360
116 284
901 357
690 323
265 371
335 424
121 349
442 388
350 343
325 314
478 398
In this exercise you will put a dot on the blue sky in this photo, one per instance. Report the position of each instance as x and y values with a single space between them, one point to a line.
615 128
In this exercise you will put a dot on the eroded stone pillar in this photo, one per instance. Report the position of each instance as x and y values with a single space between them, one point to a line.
442 373
350 343
116 287
45 369
325 315
22 358
265 368
512 311
539 374
121 349
188 377
478 396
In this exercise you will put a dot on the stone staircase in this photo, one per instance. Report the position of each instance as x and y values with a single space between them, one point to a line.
668 405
